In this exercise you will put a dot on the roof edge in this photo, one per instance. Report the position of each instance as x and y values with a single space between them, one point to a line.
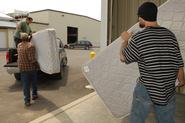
65 13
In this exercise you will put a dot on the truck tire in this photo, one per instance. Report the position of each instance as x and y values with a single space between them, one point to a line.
64 62
86 48
72 47
17 76
59 75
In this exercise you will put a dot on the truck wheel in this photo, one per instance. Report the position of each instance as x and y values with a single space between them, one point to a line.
86 48
64 62
72 47
59 75
17 76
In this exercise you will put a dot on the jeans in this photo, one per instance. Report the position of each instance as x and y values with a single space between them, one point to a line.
29 78
142 103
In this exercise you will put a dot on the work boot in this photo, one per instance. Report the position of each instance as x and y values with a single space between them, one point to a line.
34 97
27 104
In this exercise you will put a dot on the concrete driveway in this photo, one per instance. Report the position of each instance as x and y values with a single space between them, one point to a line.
52 93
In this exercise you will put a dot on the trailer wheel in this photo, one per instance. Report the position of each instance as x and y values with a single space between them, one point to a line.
17 76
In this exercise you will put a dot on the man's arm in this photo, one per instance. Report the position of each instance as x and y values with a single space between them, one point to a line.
125 36
123 46
19 26
181 77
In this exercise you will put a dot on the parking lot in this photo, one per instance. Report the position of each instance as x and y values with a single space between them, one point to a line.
52 93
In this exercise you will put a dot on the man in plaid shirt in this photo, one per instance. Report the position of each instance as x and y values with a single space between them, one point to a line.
28 66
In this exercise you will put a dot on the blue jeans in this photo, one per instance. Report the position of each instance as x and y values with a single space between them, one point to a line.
142 103
29 78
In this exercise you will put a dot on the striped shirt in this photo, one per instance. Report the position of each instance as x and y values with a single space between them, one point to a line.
157 53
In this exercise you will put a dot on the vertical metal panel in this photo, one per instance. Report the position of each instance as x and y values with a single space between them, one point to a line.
109 22
105 23
124 15
3 39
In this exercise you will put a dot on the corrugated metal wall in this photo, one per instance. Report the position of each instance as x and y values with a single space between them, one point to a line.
122 14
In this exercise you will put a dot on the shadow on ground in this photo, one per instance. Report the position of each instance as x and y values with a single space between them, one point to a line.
45 82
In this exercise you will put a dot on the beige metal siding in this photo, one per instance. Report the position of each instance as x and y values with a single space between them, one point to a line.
6 38
10 39
40 16
124 15
87 28
3 38
38 26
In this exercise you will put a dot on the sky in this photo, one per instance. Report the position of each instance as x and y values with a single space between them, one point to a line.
90 8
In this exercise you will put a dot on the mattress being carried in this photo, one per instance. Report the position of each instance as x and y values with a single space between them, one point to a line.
47 51
114 81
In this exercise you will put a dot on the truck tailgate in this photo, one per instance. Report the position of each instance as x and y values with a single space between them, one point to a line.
13 64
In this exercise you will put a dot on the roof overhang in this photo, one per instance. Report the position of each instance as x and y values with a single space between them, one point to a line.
5 17
7 24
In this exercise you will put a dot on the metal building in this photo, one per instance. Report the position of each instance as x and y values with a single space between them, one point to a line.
7 28
69 27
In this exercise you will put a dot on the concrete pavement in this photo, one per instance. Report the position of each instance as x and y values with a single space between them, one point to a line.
90 109
53 94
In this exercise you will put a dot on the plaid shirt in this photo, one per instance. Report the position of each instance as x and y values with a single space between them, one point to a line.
26 57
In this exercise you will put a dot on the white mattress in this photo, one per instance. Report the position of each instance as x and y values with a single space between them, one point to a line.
47 51
114 81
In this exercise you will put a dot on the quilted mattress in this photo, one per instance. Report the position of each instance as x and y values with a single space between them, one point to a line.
114 81
47 51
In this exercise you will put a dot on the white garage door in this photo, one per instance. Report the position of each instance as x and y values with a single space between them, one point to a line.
3 40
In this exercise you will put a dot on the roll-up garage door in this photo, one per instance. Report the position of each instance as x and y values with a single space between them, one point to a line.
3 40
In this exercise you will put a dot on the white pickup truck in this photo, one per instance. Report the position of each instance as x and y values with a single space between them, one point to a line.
12 67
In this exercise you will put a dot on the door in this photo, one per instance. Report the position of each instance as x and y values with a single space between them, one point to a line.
3 40
72 34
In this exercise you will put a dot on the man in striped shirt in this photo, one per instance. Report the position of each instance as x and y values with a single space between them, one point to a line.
157 53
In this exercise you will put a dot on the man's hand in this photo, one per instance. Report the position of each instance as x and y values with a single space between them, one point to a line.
181 84
126 35
181 77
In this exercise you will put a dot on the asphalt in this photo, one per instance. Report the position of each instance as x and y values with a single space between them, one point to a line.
53 94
